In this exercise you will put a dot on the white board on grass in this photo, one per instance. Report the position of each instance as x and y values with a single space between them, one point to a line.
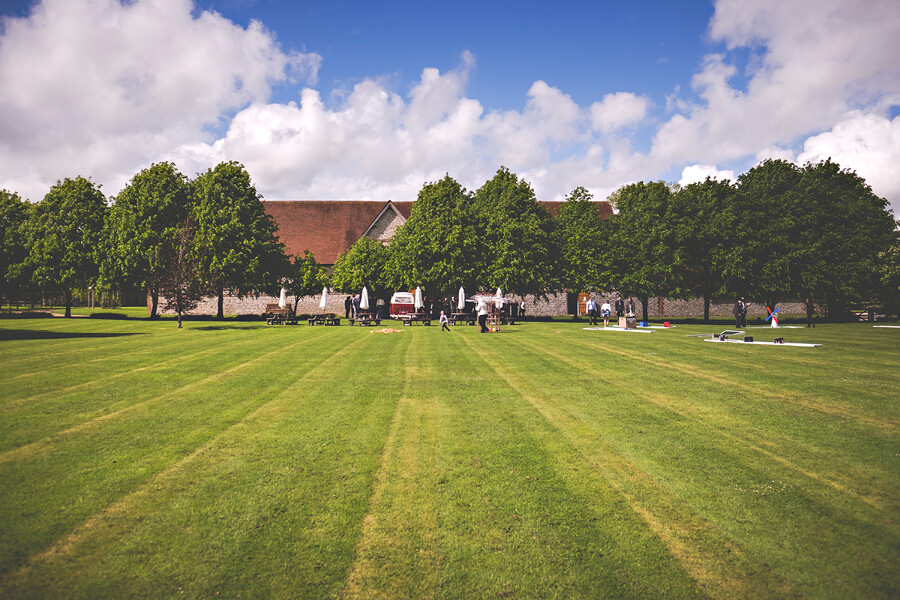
763 343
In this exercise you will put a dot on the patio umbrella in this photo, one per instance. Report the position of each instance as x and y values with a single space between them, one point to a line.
498 299
418 301
364 301
282 301
324 299
461 303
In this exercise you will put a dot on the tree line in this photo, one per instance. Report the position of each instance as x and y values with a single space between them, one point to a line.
780 232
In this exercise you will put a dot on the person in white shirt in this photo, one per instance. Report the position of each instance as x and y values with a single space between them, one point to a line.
605 311
591 308
444 321
482 309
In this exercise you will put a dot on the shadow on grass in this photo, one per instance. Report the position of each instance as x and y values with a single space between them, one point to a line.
27 334
221 327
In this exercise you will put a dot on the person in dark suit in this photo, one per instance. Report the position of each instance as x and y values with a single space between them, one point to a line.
348 304
740 313
620 307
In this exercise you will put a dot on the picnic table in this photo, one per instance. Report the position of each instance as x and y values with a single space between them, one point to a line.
464 318
410 318
277 315
365 319
325 319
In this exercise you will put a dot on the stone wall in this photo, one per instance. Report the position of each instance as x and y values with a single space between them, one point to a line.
552 306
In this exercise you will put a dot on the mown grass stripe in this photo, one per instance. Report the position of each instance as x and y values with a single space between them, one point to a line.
47 444
734 429
396 553
217 449
696 543
842 411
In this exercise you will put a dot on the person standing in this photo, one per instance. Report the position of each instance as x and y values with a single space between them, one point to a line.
348 305
620 307
444 322
482 309
605 312
522 309
356 301
591 308
740 313
629 307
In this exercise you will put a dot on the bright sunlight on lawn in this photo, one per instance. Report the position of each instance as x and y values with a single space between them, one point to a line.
232 459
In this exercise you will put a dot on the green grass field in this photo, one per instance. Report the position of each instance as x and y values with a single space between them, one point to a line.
545 461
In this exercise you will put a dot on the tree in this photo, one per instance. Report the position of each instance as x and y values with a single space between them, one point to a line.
842 227
364 264
141 225
14 215
182 282
241 250
766 234
703 218
519 253
643 241
889 278
585 263
305 277
439 245
65 236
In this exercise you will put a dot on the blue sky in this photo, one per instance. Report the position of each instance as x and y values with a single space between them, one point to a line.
368 101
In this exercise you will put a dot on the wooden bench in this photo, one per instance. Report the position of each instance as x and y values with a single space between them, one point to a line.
461 318
410 318
276 315
325 319
364 320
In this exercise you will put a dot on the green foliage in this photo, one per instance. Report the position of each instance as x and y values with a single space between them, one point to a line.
583 241
305 277
703 218
439 246
241 249
141 226
65 236
364 264
14 216
519 252
842 227
889 278
644 240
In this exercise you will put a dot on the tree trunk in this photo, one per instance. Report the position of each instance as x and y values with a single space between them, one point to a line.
154 302
179 319
68 303
644 301
706 308
220 311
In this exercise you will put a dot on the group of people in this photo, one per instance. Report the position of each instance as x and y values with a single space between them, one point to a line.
352 307
622 309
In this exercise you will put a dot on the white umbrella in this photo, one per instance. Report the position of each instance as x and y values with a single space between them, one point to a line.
498 299
282 301
418 301
364 301
461 303
324 301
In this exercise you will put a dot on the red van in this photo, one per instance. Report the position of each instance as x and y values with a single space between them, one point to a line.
402 303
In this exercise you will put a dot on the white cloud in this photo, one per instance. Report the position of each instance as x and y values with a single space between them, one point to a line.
699 173
619 110
817 60
866 143
99 88
149 81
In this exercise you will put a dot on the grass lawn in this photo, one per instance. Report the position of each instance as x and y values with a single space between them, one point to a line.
546 461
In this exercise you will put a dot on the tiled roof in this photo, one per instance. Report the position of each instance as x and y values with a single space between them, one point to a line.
327 228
